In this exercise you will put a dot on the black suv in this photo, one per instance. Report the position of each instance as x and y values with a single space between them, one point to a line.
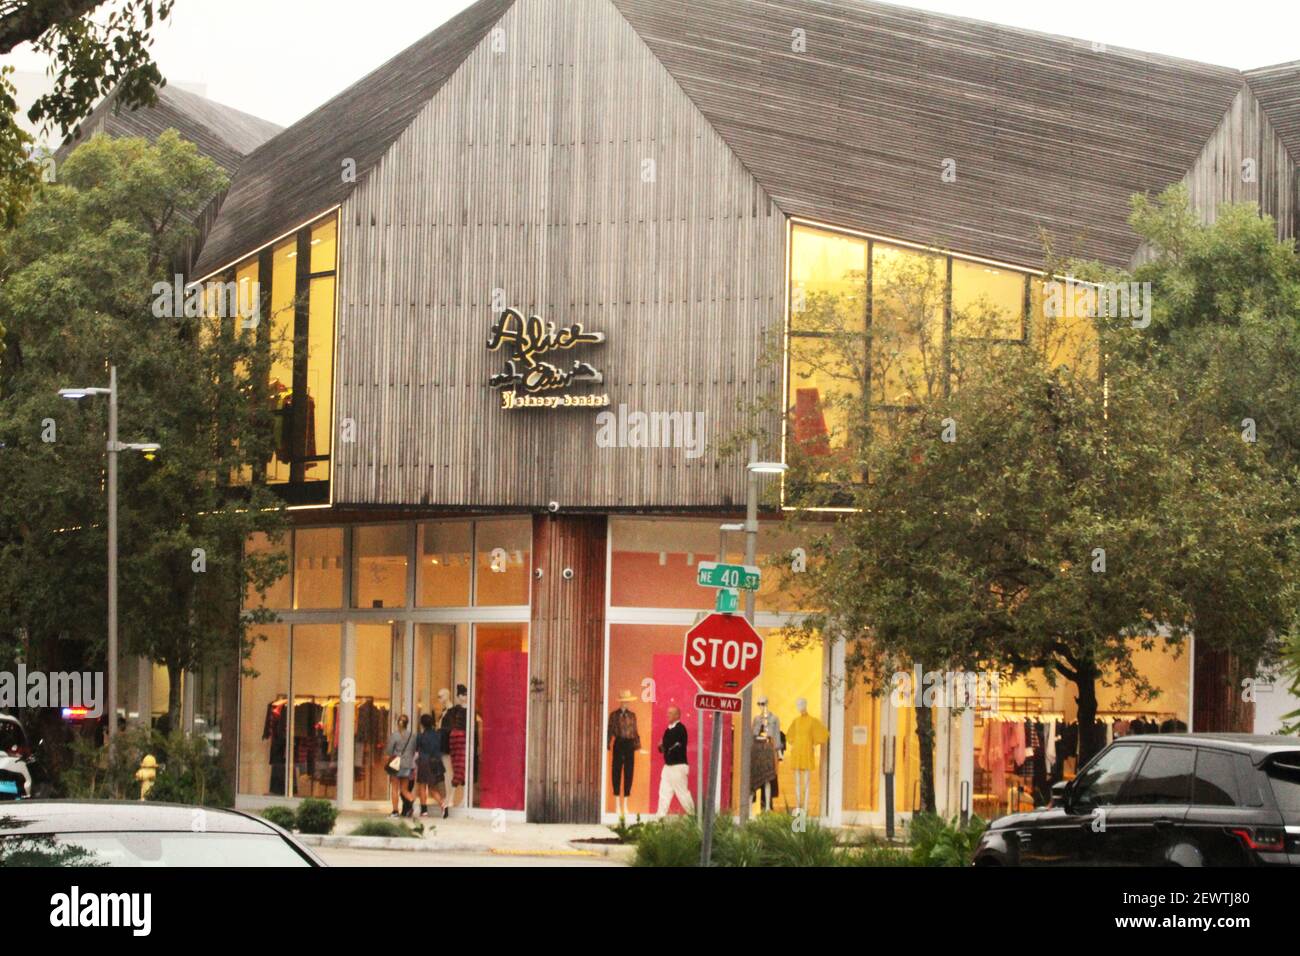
1164 800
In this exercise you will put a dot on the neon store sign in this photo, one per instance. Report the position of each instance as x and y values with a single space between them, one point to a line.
530 382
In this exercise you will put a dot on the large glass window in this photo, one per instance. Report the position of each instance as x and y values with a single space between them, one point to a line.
1062 325
300 337
318 568
315 686
277 595
907 343
987 302
504 561
379 563
445 564
378 685
264 715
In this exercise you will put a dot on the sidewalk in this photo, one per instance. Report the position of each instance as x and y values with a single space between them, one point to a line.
465 835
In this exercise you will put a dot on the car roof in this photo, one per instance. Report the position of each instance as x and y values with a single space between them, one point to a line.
122 816
1258 746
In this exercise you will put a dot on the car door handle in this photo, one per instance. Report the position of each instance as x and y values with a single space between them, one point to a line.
1163 823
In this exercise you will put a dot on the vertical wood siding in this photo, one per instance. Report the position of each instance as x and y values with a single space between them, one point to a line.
524 174
566 665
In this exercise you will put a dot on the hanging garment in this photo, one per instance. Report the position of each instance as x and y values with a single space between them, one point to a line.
993 756
457 758
1049 744
770 724
803 734
1013 742
762 762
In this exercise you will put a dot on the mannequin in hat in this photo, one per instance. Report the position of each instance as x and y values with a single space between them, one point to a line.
624 740
766 753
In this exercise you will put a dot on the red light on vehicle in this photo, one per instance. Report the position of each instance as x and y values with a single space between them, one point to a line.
1271 840
76 713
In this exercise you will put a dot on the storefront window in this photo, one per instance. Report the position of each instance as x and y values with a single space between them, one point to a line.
500 708
861 750
504 561
315 687
987 302
442 689
378 685
645 666
1063 327
789 676
320 377
909 289
264 715
207 707
283 299
318 568
445 563
159 698
379 563
277 595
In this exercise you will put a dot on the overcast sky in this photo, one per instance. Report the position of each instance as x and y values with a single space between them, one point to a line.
279 59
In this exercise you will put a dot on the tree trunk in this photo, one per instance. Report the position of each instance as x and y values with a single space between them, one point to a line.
1090 741
174 701
925 738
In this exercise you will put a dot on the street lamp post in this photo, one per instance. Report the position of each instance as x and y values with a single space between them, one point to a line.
113 447
754 469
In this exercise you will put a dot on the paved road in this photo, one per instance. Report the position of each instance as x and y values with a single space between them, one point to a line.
389 858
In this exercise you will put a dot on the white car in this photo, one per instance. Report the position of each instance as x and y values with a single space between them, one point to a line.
15 760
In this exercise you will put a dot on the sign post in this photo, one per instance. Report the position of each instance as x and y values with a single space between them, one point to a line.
723 655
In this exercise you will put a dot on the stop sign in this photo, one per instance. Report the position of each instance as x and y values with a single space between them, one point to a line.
723 654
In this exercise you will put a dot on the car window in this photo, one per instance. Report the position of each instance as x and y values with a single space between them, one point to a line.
1215 783
1284 778
1100 783
149 849
1164 777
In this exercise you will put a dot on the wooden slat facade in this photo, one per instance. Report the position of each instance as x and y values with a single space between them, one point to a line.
566 661
525 174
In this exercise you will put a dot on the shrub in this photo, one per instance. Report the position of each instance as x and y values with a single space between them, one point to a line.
785 840
875 855
936 842
108 772
281 816
381 828
188 772
316 816
674 841
628 832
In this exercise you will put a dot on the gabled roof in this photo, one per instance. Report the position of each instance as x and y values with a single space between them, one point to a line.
223 133
1045 130
299 174
1047 133
1278 90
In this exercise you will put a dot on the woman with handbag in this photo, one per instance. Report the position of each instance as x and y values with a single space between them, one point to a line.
401 765
428 765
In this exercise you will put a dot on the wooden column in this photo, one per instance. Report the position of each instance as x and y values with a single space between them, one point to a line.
1217 693
566 659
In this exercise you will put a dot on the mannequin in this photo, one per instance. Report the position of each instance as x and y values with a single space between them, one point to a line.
444 705
805 734
765 754
624 740
454 729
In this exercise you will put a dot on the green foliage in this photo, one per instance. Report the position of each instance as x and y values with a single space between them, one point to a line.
77 289
316 816
187 772
94 46
936 842
773 839
285 817
628 832
672 841
381 828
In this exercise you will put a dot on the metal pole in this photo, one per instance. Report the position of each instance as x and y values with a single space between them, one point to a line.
707 812
747 698
112 553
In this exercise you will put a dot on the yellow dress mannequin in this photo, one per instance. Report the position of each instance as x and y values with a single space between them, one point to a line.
804 734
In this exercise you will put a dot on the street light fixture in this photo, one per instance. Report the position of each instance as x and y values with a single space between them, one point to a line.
113 447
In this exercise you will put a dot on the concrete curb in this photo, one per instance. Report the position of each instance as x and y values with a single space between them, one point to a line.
624 852
407 844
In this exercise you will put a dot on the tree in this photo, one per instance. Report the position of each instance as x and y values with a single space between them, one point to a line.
78 289
95 46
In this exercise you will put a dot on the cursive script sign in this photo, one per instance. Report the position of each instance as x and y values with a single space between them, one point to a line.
525 372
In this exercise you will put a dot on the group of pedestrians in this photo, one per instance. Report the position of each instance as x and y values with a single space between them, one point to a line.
415 760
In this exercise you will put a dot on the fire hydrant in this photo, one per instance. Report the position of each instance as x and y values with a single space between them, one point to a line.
148 770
